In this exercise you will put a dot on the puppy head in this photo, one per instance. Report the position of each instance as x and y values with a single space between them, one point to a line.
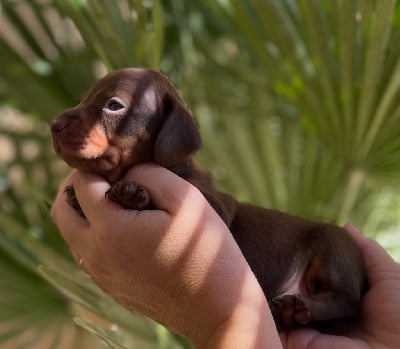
128 117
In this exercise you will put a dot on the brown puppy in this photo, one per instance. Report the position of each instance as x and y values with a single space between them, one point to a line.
309 271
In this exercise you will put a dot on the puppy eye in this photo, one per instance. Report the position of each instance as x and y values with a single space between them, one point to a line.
114 105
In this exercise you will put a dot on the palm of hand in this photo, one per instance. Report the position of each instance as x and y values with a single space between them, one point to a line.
379 323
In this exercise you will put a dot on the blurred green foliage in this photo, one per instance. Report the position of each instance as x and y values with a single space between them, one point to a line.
297 104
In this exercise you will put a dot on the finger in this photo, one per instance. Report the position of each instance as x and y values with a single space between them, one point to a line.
168 191
73 228
312 339
77 257
90 190
101 213
377 259
106 217
370 248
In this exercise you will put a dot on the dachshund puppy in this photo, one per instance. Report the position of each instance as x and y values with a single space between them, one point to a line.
311 272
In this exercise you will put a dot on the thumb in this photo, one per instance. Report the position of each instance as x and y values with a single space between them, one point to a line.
377 260
311 339
167 190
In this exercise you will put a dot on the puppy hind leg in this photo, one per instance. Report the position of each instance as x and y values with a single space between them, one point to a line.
300 309
330 295
319 302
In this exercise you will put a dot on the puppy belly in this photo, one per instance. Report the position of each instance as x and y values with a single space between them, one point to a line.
294 284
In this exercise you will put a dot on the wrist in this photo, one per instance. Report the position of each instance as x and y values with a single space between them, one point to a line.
250 324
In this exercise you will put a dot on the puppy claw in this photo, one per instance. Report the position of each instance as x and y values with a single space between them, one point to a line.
129 195
289 311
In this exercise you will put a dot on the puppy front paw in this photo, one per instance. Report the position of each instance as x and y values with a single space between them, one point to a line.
290 311
72 200
129 195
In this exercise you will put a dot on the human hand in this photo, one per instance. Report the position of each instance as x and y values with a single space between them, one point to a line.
379 323
177 264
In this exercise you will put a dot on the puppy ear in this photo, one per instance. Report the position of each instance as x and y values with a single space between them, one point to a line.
178 138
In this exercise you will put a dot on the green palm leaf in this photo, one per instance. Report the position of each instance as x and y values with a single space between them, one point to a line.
296 100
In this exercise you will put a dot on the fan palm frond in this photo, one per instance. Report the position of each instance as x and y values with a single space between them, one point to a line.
297 104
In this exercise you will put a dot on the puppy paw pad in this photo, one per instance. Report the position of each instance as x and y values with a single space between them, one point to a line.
290 310
129 195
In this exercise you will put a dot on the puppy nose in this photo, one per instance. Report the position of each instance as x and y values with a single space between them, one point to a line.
59 124
64 119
